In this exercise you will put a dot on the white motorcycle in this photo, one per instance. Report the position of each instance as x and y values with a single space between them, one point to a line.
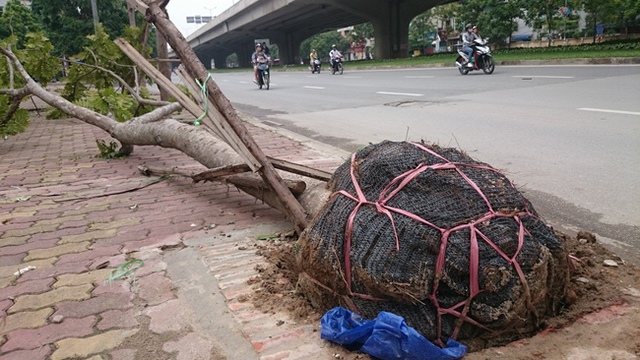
315 66
482 59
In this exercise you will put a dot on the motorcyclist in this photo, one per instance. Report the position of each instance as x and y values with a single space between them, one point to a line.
475 32
265 48
258 57
312 58
334 54
467 42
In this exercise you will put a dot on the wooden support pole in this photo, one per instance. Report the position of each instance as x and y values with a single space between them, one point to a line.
164 67
196 70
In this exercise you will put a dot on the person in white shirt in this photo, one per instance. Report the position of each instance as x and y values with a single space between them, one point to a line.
334 54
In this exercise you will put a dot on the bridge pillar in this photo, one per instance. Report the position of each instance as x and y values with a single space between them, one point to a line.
205 58
220 60
244 52
286 47
390 21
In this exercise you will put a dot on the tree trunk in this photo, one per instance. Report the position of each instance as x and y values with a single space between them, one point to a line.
154 129
163 66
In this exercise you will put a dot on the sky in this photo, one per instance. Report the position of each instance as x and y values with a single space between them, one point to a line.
179 10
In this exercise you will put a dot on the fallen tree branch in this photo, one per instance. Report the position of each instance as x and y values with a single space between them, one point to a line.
207 175
117 192
300 169
196 70
132 91
90 117
233 174
194 141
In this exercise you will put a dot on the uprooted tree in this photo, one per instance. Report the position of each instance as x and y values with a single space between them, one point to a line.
423 231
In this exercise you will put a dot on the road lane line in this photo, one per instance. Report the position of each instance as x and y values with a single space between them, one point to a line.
611 111
314 87
396 93
543 76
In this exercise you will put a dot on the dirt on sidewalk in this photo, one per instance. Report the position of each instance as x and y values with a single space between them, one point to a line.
599 320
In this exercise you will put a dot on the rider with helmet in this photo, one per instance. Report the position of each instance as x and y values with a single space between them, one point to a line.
258 57
334 54
467 42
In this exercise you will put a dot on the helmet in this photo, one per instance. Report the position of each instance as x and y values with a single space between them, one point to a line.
333 46
258 45
468 27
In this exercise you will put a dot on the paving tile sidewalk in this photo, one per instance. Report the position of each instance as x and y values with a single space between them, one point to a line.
68 219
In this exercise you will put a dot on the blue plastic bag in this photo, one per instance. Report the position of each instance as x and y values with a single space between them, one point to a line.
386 337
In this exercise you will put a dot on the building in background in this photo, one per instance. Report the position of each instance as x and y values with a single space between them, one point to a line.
4 2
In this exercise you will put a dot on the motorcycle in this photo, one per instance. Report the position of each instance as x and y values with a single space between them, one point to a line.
336 65
264 75
315 66
482 58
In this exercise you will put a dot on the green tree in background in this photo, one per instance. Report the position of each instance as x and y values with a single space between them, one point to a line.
17 20
496 19
601 11
322 43
629 14
446 14
419 28
546 16
364 30
67 23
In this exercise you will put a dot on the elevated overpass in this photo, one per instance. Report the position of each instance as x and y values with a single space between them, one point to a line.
288 22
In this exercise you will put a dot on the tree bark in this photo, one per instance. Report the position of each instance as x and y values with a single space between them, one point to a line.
163 54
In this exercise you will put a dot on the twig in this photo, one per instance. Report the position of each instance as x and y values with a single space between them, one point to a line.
149 183
124 84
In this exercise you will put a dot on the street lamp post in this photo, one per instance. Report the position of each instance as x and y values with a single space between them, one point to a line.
564 32
210 10
94 10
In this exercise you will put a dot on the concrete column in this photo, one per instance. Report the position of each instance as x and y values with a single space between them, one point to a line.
220 59
289 46
392 31
390 20
244 54
205 59
286 48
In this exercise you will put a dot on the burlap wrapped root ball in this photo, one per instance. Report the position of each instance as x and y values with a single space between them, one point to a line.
432 235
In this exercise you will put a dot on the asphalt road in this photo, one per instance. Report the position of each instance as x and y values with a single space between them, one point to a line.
568 135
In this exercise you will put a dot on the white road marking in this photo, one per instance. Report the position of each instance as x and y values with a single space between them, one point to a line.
611 111
543 77
396 93
314 87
